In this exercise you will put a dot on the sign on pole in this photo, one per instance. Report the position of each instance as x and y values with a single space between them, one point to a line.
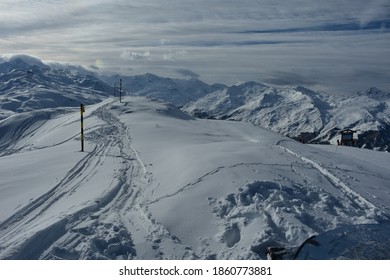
82 110
120 91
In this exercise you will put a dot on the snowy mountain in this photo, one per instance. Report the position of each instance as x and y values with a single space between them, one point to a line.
299 113
27 84
176 91
155 183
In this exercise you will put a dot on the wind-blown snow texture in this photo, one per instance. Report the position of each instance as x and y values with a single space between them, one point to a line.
156 183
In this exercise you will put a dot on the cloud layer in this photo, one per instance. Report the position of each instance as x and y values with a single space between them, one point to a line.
325 44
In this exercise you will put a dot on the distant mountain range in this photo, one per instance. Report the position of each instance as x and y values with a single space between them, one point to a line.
297 112
28 84
302 114
313 117
176 91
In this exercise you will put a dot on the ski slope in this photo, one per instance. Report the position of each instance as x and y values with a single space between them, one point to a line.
156 183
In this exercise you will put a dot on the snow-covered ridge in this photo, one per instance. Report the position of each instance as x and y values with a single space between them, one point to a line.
314 117
27 84
177 91
20 61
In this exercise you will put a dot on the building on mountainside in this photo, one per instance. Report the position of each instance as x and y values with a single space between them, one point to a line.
347 138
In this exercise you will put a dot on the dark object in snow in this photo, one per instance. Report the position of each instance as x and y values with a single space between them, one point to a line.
283 253
311 241
352 242
347 138
275 253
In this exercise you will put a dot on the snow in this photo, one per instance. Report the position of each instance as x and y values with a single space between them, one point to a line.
175 91
27 84
300 113
363 242
157 183
22 59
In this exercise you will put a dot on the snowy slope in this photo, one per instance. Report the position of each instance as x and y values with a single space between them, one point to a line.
284 110
155 183
315 117
368 113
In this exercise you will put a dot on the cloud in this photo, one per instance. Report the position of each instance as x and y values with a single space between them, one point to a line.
383 24
164 41
222 40
29 59
288 78
172 55
187 73
134 55
72 67
373 10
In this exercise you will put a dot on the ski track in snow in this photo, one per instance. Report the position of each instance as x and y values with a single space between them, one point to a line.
355 198
108 228
288 212
203 177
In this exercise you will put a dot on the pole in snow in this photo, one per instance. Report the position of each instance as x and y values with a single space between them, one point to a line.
82 110
120 91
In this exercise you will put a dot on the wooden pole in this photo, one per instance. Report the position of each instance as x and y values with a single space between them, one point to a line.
120 91
82 110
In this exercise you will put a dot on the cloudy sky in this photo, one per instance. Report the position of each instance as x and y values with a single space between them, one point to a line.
339 45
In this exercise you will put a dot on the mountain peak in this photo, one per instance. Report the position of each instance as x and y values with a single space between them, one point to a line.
375 93
20 62
24 60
